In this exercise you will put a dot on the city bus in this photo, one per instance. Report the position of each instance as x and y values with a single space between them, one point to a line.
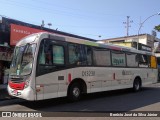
46 65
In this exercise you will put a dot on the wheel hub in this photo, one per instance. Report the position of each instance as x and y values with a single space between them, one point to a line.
76 92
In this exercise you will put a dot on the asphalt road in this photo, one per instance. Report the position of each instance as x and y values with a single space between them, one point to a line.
92 105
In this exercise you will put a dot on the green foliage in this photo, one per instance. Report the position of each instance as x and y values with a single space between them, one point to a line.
157 28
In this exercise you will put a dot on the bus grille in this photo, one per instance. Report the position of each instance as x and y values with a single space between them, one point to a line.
17 83
17 80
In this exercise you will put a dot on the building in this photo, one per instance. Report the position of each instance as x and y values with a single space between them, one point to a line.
145 41
11 31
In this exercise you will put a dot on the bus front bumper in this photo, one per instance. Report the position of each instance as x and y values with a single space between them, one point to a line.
27 93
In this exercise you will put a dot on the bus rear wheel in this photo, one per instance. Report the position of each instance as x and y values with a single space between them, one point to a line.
137 85
75 92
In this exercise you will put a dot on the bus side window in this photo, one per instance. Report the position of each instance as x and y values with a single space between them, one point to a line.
143 61
118 58
132 60
73 54
45 53
48 54
101 57
41 54
88 55
58 55
80 55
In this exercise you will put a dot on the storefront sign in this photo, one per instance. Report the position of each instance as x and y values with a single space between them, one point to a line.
18 32
144 47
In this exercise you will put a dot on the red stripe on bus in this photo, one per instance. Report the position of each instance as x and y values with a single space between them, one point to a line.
115 48
69 77
114 76
17 86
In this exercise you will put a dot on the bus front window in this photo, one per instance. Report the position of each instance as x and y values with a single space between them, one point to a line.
23 60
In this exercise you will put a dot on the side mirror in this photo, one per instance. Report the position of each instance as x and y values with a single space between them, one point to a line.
0 19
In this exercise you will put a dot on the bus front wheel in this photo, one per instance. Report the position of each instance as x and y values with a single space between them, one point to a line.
137 84
75 92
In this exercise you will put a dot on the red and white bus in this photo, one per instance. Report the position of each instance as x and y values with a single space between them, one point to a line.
46 65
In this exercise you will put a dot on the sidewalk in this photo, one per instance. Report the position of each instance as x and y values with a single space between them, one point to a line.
4 93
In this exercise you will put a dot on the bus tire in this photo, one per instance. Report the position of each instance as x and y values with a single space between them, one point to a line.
75 92
137 85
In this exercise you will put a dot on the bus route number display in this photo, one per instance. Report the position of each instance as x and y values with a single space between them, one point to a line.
88 73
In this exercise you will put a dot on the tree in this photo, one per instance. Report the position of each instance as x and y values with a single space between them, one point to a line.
157 28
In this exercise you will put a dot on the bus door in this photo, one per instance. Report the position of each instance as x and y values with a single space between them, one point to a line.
50 69
154 69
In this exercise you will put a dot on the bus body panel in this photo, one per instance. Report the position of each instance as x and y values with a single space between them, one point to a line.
51 85
103 80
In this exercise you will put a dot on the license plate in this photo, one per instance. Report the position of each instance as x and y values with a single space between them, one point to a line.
15 92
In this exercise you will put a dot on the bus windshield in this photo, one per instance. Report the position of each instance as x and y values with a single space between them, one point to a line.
22 60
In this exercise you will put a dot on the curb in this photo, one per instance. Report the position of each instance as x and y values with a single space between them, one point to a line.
10 102
4 99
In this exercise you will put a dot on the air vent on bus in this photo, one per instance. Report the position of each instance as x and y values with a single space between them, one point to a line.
17 80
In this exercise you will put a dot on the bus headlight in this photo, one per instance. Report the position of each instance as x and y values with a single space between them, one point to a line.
27 82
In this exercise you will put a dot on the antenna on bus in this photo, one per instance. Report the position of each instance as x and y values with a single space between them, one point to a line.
49 24
42 25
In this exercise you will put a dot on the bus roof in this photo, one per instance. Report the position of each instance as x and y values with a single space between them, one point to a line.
86 42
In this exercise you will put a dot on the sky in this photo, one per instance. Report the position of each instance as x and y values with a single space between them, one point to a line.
96 19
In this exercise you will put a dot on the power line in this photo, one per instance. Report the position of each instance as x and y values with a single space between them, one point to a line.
66 7
59 10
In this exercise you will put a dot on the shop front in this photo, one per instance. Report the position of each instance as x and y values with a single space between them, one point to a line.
5 60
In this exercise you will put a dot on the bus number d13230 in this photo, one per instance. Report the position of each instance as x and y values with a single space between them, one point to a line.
88 73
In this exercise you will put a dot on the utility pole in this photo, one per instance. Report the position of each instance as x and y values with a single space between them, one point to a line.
140 22
128 24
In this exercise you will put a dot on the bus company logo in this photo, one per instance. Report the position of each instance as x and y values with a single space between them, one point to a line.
123 72
127 72
6 114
